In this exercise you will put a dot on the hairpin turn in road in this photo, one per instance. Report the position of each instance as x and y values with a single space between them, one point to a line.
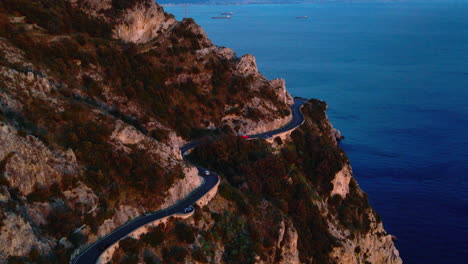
92 253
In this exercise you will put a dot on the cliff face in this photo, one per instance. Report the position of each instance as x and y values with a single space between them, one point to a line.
93 110
18 237
306 181
136 21
141 24
28 163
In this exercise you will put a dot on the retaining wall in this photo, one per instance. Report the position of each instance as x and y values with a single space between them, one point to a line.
106 256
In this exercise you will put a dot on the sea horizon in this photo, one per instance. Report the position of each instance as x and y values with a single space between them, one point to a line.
234 3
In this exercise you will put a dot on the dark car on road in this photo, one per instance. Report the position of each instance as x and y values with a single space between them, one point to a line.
188 209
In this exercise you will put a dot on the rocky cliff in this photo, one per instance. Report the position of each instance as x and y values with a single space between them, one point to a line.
304 180
134 21
96 97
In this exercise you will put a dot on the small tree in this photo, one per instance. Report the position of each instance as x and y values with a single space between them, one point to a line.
129 245
34 254
154 238
184 233
176 253
199 255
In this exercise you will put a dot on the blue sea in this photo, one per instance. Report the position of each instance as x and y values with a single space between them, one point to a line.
395 77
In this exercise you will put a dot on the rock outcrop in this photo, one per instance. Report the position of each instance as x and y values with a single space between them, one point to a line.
287 243
279 87
247 65
141 23
82 198
125 135
181 188
341 182
376 246
29 163
123 214
17 237
136 21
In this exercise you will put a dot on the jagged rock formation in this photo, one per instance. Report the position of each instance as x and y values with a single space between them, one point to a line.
93 108
247 65
341 182
141 24
374 247
287 244
18 238
29 163
134 21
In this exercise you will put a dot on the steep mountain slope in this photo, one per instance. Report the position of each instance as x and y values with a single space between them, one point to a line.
96 97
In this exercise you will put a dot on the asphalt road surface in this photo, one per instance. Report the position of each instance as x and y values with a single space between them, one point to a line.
91 254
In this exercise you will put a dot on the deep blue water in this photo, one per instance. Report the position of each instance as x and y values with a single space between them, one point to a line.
395 77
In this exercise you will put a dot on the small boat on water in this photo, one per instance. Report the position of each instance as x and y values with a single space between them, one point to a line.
221 17
302 17
227 13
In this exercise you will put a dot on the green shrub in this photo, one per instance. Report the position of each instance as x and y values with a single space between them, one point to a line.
195 69
34 254
278 141
199 255
175 253
62 220
130 259
226 191
129 245
3 163
150 259
16 260
198 214
77 238
154 237
184 233
40 194
57 16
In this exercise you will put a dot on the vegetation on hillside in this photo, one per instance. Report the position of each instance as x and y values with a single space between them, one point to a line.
57 17
295 179
96 82
72 53
266 186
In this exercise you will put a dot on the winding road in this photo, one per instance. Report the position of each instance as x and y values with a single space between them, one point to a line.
92 253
